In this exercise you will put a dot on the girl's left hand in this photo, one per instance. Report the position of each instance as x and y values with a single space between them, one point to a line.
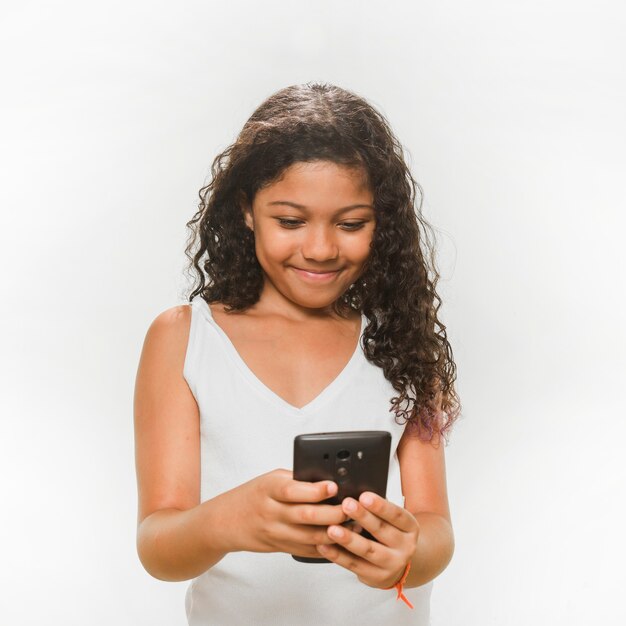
376 563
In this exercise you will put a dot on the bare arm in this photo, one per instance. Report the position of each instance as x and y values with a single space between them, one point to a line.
172 542
178 537
422 466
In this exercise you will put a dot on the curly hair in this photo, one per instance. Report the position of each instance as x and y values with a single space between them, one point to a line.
396 290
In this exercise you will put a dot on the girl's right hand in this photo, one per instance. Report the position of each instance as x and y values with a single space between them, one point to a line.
275 513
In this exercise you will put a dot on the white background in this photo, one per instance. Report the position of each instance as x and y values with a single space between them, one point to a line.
514 118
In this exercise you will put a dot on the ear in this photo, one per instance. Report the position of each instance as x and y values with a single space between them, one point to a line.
248 218
246 209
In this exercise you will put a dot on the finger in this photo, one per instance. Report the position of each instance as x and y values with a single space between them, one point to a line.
316 514
374 563
395 515
301 491
380 529
371 551
309 535
310 552
300 549
339 555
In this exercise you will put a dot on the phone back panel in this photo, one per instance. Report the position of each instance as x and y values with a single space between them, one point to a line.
357 461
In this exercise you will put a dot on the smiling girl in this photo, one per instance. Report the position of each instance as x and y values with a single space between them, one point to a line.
314 309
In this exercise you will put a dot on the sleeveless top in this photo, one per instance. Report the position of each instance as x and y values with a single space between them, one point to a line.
247 430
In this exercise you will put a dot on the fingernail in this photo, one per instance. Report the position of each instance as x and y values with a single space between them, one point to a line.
322 548
331 489
367 500
336 532
349 505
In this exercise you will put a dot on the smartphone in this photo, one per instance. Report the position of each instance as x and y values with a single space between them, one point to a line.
356 460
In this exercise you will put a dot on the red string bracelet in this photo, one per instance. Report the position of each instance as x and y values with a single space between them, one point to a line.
399 585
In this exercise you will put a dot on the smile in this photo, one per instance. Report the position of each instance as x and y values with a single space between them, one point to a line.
316 277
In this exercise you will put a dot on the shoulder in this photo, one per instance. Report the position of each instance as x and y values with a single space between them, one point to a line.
173 319
168 333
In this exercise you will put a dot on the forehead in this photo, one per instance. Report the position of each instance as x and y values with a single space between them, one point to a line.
323 182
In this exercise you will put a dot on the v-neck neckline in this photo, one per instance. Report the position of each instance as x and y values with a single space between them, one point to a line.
321 398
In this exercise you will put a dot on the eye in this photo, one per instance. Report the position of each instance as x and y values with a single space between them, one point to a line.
350 226
285 223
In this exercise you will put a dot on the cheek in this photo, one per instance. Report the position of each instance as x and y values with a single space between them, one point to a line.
361 250
272 246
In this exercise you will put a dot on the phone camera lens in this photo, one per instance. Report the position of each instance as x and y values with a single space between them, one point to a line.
343 455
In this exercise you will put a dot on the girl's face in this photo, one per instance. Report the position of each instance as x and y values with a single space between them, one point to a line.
312 231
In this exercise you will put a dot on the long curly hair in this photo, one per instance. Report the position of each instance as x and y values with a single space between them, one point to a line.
396 290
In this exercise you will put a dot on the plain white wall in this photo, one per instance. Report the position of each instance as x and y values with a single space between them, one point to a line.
513 115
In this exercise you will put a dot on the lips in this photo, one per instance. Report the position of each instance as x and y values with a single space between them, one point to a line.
303 269
315 275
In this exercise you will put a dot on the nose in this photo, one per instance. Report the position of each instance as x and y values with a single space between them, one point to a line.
319 244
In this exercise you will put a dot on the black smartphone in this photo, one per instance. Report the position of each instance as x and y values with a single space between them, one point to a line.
356 460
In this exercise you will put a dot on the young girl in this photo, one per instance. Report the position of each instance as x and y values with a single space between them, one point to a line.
314 310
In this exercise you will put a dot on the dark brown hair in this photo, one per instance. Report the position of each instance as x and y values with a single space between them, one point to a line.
396 290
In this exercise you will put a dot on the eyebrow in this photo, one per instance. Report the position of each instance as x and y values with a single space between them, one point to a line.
303 208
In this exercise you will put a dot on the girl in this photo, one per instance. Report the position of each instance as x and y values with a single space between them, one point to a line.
314 309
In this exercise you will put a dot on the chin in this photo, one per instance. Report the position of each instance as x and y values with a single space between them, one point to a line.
313 302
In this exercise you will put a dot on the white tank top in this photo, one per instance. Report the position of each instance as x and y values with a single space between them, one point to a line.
247 430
